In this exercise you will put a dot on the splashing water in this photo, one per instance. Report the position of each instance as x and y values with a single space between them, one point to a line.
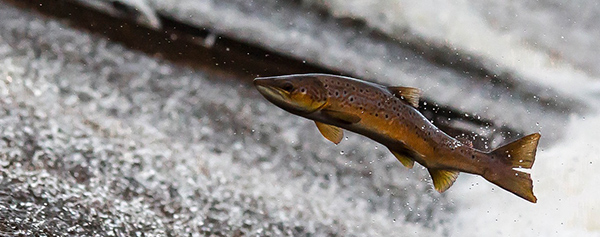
565 182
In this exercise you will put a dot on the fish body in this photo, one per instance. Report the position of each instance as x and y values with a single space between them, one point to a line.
389 116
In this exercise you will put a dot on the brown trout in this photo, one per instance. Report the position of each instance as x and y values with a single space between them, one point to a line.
389 116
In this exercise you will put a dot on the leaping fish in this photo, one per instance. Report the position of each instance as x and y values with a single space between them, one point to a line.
389 116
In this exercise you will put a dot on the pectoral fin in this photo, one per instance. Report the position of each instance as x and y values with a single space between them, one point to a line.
408 94
330 132
341 116
443 179
404 159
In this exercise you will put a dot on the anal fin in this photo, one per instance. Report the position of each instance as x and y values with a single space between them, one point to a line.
330 132
443 179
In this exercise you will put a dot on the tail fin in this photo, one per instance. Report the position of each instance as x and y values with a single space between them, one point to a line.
520 153
517 154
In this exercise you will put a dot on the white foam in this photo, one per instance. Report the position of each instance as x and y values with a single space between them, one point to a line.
460 25
565 176
567 185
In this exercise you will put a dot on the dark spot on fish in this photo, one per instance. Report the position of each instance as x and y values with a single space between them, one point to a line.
345 92
376 115
303 90
379 104
360 90
354 88
351 98
386 116
337 93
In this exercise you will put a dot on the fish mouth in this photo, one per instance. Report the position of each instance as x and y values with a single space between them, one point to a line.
278 96
272 93
263 85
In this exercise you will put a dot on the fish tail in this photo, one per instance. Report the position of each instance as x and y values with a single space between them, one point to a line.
517 154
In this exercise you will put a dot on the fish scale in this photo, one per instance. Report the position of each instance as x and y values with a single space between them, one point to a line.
389 116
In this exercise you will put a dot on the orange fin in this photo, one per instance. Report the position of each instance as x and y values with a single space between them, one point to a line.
517 154
404 159
410 95
520 153
341 116
516 182
443 179
330 132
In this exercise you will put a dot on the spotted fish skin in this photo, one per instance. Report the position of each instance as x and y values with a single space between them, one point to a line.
389 116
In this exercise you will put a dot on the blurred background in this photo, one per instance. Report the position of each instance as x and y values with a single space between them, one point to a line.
138 117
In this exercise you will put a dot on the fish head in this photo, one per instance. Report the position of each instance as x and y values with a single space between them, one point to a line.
300 94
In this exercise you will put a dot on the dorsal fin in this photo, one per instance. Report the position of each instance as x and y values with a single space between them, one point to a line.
332 133
410 95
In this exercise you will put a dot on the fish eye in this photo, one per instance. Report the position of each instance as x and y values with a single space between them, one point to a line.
287 87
